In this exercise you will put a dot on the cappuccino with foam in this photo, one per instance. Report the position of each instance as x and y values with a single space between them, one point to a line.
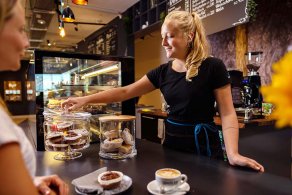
168 173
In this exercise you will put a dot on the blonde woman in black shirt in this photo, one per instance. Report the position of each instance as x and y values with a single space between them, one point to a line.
190 83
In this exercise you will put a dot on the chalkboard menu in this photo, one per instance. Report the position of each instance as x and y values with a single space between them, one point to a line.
100 45
111 41
105 43
90 47
217 15
178 5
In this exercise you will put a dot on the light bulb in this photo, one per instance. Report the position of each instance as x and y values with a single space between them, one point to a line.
62 32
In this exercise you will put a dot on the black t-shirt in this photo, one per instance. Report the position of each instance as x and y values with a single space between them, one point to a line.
190 101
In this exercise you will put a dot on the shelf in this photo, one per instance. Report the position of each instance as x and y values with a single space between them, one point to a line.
147 16
148 30
143 5
152 17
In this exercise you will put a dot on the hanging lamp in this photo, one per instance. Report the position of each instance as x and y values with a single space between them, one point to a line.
80 2
62 32
68 15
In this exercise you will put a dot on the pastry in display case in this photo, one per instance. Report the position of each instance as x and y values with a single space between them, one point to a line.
60 75
117 137
68 133
12 90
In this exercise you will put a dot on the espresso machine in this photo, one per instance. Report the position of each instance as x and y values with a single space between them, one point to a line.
252 98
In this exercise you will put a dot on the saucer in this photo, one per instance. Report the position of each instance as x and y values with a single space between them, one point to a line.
153 188
125 184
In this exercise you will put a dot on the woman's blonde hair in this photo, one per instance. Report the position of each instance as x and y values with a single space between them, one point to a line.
6 7
199 47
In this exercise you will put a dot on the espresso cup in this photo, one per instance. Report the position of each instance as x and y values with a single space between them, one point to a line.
169 179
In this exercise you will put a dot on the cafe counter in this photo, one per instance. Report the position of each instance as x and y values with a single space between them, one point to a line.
242 123
205 176
152 123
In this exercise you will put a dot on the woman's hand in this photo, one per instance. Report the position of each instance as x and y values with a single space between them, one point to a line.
50 185
73 103
239 160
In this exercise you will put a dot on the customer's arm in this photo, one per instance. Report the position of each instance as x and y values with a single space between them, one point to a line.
138 88
230 129
14 177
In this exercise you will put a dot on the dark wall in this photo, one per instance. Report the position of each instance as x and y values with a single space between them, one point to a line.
125 43
26 73
223 46
271 32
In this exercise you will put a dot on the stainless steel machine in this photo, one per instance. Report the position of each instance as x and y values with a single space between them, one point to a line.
252 98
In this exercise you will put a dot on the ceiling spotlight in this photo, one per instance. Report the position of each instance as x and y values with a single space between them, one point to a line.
68 15
41 21
80 2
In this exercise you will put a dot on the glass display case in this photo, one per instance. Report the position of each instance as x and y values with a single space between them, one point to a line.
59 75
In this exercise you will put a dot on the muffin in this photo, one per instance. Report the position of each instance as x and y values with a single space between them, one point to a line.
110 179
55 137
112 134
114 143
65 126
60 147
125 149
78 145
83 132
59 126
71 137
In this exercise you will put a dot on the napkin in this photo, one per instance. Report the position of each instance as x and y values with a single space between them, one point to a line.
88 183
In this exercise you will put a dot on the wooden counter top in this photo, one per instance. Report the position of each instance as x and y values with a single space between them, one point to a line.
242 124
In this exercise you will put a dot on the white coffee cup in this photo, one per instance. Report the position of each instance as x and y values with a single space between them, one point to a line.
169 179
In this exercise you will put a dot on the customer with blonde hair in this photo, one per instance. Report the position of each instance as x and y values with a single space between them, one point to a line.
18 162
191 83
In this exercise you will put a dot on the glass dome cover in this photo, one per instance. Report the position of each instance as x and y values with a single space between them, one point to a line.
67 133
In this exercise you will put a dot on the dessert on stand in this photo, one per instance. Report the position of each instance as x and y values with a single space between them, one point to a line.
67 133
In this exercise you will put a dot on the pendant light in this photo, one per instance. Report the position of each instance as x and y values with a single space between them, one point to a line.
80 2
62 30
67 14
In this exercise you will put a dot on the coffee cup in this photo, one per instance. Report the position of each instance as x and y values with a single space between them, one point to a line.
169 179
